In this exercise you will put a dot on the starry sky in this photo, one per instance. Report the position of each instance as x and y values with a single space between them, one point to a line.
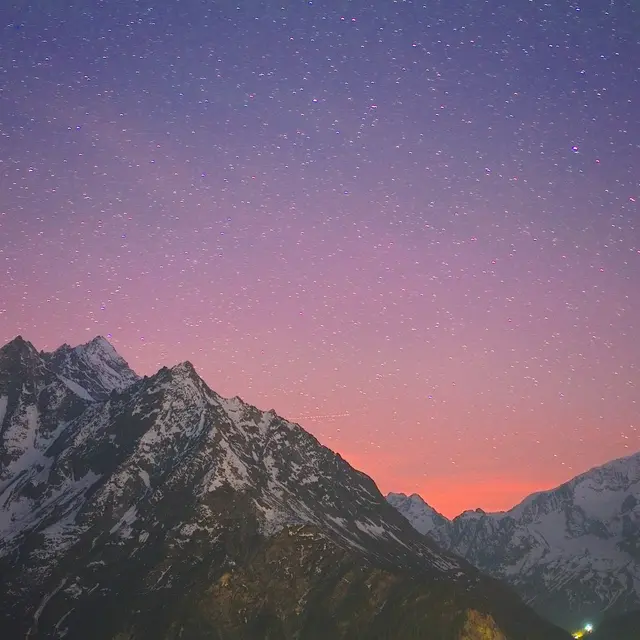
413 227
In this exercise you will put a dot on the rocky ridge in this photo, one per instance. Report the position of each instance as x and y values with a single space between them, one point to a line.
573 553
132 507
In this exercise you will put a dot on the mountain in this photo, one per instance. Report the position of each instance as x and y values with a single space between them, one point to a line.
423 517
572 553
35 406
161 510
96 367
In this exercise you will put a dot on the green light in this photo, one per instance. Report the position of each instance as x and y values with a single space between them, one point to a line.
588 627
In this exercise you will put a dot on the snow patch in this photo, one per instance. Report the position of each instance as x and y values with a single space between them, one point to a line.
124 525
43 603
76 388
4 400
144 476
371 528
229 470
74 590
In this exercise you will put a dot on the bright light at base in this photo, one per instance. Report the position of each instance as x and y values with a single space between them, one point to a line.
588 627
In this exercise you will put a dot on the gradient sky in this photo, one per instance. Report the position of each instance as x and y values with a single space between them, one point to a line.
413 227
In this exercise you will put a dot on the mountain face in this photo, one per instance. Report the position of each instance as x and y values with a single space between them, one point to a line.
572 553
423 517
35 406
96 367
154 508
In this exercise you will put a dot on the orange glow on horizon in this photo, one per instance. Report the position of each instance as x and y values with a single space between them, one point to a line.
452 495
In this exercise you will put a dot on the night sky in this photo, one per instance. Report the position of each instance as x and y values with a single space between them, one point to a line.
412 227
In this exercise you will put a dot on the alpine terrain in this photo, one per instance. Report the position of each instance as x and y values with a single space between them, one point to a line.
153 508
573 553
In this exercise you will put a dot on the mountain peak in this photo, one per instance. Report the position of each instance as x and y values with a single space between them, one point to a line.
95 365
184 369
619 475
18 344
101 345
183 379
472 513
421 515
185 372
18 351
404 498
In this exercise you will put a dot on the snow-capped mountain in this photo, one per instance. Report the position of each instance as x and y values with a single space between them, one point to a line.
423 517
162 510
573 553
96 366
35 406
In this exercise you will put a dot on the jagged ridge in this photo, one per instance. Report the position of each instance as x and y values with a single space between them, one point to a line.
95 368
161 488
572 552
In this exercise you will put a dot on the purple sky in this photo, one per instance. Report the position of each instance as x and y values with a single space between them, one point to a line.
412 227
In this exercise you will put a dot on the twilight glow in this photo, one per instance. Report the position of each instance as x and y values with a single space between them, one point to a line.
414 228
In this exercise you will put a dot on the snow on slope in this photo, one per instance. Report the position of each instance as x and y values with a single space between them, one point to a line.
423 517
172 431
94 368
572 551
41 396
163 475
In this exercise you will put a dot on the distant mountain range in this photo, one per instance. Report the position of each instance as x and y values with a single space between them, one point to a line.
153 508
572 553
